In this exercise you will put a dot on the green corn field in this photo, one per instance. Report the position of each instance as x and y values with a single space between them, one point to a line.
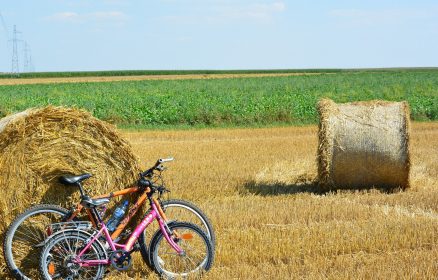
229 102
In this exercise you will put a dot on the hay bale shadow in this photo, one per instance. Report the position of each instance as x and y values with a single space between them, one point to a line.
279 188
60 195
311 187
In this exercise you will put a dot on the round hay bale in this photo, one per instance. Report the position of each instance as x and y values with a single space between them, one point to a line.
363 145
40 144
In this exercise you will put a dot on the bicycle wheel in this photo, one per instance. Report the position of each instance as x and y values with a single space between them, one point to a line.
25 236
198 253
177 210
181 210
58 255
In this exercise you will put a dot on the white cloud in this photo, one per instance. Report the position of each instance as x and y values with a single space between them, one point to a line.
115 1
231 12
255 11
64 16
387 16
91 3
109 16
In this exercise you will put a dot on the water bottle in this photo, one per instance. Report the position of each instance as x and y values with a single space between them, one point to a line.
117 216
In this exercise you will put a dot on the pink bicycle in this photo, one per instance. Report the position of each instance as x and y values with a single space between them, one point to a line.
177 249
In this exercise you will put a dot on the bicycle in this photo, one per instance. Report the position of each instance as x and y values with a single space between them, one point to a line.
77 253
27 232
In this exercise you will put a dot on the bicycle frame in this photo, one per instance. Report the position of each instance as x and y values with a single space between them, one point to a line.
155 214
132 210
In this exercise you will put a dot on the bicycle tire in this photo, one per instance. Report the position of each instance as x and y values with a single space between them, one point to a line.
8 249
203 264
207 226
80 238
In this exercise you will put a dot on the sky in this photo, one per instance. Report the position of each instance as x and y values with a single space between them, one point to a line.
88 35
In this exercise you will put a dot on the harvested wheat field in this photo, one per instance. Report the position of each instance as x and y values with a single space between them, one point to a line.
257 185
258 188
92 79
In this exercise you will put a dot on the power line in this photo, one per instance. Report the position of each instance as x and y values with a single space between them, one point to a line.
31 66
15 68
26 54
28 63
5 27
7 36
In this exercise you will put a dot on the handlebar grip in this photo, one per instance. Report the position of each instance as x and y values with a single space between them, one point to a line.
161 160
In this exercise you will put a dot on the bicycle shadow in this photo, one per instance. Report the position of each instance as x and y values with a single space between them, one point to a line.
58 193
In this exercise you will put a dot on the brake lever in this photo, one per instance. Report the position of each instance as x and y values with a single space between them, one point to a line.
163 190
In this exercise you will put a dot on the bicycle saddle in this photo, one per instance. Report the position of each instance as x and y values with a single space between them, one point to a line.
73 180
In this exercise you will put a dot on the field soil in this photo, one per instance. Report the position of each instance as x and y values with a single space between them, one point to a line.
258 187
52 80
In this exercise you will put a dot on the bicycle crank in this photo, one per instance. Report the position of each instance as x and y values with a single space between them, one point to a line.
121 260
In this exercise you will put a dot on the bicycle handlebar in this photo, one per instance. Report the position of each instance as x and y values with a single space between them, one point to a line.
145 183
155 167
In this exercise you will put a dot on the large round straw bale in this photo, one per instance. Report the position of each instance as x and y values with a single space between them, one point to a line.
39 145
363 144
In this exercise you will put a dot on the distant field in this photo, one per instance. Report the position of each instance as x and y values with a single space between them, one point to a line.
196 72
159 72
90 79
228 102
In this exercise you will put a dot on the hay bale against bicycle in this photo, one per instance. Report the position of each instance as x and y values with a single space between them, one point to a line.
40 144
363 145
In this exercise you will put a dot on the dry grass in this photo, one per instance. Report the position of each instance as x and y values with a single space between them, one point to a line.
143 77
257 186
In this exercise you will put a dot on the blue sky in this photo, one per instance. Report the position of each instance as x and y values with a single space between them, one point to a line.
82 35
